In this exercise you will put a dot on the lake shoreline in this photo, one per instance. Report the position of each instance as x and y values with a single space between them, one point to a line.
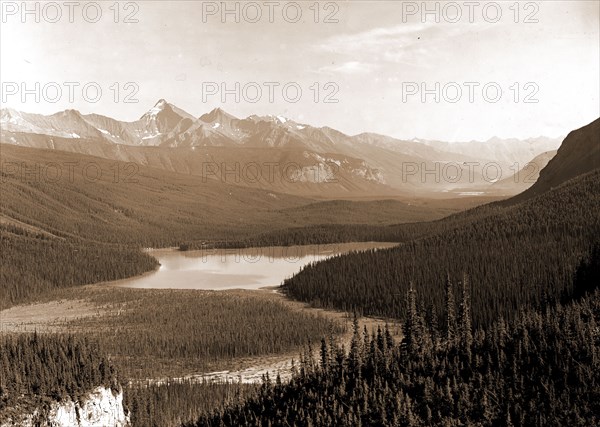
236 268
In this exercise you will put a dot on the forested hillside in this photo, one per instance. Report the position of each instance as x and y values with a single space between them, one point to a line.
578 154
36 370
77 196
32 264
68 219
74 195
517 256
540 369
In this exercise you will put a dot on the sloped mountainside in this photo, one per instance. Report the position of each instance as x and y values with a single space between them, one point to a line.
578 154
526 176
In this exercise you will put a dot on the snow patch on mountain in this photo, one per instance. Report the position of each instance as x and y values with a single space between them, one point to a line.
152 136
160 105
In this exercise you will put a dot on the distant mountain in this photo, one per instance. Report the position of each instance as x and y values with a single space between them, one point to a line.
504 151
65 124
366 164
417 148
150 129
297 172
526 176
578 154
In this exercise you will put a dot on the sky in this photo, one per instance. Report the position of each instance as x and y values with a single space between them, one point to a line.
357 66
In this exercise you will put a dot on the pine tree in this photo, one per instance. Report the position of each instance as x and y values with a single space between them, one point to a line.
450 311
354 356
324 355
466 333
413 332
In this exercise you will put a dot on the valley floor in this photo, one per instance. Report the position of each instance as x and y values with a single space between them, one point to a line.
82 309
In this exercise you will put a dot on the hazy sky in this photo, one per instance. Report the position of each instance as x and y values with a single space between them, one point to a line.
378 54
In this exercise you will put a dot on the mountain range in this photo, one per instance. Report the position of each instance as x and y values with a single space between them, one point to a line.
274 152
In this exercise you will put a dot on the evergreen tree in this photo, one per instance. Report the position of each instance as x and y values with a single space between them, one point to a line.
450 311
465 329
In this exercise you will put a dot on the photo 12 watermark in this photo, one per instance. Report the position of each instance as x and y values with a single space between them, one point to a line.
467 172
69 172
325 172
471 12
53 92
271 92
52 12
254 12
470 91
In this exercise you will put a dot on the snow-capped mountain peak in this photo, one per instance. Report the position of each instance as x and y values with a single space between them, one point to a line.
7 114
157 109
217 115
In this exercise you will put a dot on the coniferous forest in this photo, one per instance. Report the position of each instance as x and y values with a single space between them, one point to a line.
483 351
518 256
172 403
32 264
39 369
540 369
487 351
499 310
300 214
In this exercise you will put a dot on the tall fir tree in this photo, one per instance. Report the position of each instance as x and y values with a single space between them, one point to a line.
466 332
450 311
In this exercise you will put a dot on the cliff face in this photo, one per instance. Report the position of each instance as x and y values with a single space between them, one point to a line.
101 408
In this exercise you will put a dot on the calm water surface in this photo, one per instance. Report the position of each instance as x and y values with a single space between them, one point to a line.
253 268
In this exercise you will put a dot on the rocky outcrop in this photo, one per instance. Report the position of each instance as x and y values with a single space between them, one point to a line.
101 408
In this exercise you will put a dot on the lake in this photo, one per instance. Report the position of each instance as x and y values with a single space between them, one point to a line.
250 268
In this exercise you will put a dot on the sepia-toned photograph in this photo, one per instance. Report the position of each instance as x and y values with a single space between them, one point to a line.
310 213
